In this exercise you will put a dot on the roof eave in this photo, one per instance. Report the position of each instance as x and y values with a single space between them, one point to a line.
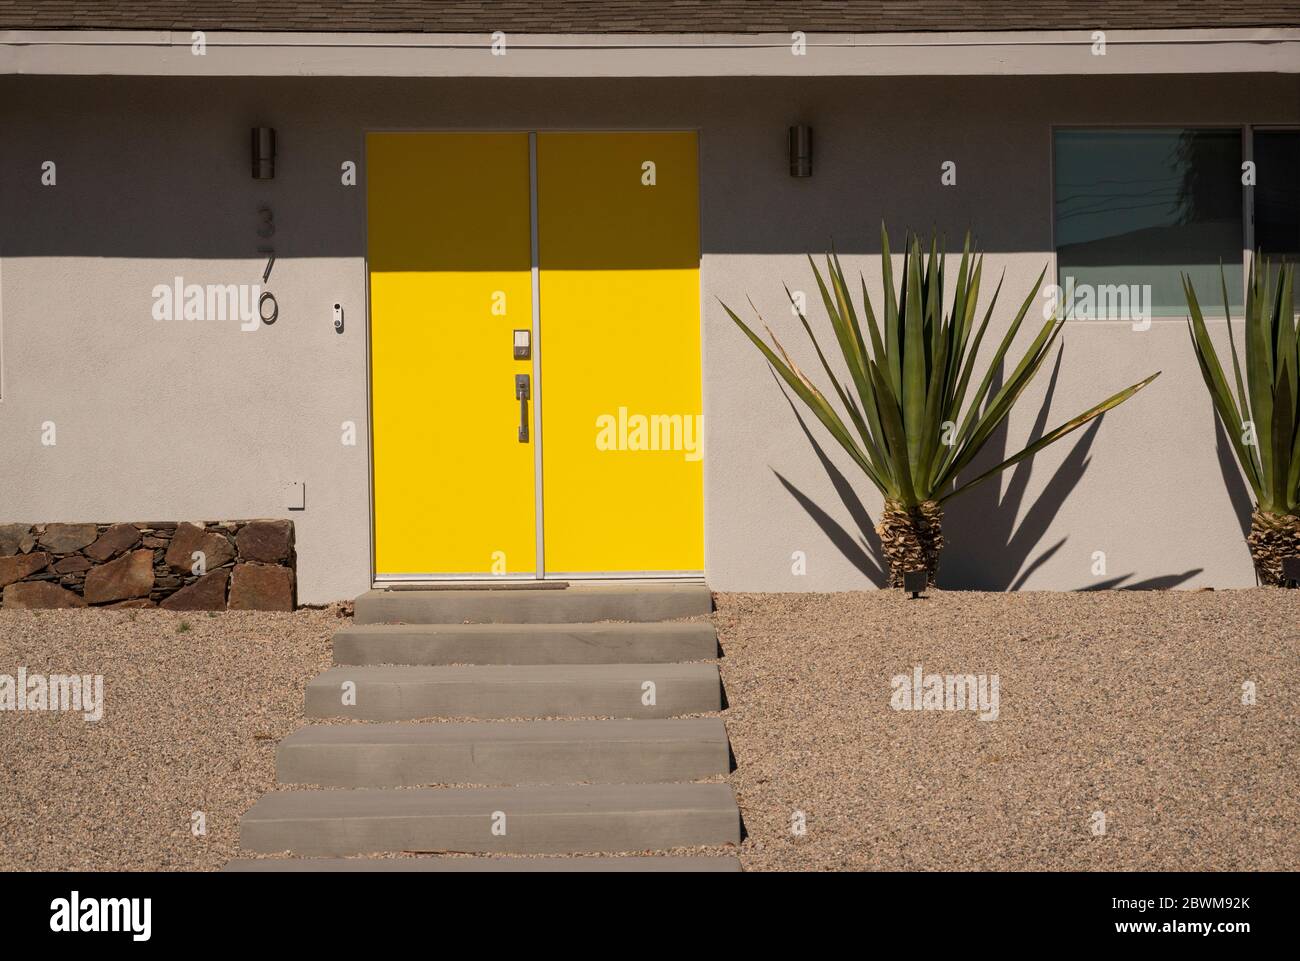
1046 52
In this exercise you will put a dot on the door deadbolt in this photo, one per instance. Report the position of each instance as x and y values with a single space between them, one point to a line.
523 344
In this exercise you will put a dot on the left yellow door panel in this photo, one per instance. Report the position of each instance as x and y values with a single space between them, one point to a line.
449 248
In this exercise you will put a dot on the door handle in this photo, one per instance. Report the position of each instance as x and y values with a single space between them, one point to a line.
522 393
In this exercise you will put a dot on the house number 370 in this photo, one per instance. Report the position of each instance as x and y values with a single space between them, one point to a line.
267 306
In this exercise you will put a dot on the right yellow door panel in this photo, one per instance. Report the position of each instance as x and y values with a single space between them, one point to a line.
622 425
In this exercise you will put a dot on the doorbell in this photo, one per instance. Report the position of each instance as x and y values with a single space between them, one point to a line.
338 318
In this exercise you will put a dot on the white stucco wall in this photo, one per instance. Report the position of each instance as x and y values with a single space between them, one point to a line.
174 420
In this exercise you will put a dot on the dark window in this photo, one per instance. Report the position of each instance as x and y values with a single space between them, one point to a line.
1277 193
1141 206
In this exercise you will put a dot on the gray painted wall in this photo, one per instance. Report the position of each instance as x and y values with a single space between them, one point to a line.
191 420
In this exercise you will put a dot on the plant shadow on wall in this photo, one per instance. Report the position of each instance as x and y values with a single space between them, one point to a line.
988 549
914 432
991 550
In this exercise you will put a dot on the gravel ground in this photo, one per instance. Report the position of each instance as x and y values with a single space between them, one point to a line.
194 704
1128 703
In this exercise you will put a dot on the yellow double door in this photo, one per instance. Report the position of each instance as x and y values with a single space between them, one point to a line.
535 354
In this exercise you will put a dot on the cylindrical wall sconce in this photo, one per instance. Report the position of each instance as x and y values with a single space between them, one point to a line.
263 153
801 151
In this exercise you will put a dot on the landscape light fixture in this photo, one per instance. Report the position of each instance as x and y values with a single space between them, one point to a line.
263 153
801 151
915 582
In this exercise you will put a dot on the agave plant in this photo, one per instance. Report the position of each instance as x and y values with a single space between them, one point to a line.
911 427
1263 419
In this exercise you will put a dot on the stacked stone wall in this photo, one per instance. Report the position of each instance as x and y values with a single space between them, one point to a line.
211 566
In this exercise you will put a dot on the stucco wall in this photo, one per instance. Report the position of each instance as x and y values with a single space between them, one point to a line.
175 419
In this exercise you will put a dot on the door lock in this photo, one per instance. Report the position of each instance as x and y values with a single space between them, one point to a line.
522 393
523 344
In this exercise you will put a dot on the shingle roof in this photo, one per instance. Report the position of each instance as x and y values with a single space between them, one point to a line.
644 16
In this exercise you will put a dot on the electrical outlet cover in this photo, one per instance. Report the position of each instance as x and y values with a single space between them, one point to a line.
295 495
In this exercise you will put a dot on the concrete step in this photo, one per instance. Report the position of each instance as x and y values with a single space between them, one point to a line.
500 691
535 820
576 603
476 865
504 752
602 643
